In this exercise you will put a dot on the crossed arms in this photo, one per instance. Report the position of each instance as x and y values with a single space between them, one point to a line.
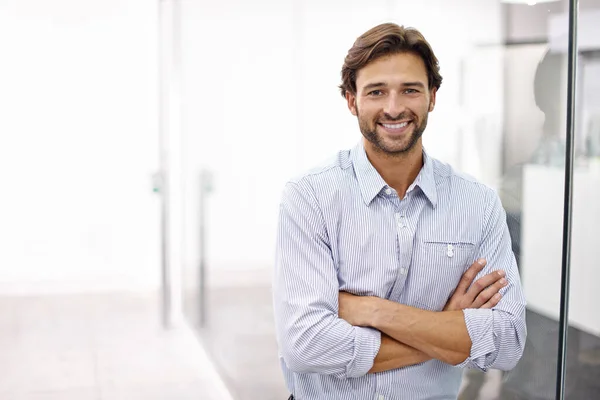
410 335
321 330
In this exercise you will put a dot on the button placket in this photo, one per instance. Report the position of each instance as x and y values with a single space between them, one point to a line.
404 236
404 241
401 220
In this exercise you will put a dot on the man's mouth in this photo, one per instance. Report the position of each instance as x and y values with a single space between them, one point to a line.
396 126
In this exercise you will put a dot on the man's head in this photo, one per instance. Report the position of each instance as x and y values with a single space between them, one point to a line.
548 91
390 78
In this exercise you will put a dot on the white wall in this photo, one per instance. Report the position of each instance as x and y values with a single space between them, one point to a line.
261 103
78 145
239 122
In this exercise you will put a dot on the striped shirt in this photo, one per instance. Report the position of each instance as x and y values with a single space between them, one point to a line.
341 227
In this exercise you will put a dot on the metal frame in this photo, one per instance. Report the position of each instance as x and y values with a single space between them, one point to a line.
568 199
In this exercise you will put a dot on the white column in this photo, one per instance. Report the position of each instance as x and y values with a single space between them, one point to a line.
171 157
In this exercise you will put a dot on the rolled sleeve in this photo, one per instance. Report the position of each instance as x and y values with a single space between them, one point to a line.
480 327
498 334
311 336
366 347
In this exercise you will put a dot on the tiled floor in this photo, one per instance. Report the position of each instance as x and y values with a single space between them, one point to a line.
98 347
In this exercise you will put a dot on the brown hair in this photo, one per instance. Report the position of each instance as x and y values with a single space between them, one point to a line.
383 40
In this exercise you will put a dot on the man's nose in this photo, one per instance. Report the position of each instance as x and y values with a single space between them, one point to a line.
394 106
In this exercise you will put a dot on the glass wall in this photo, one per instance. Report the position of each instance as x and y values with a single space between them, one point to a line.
532 141
261 104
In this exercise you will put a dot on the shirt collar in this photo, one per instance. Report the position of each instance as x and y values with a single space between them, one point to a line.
426 180
371 183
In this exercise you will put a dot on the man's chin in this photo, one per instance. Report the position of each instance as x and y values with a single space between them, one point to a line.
396 147
394 150
391 146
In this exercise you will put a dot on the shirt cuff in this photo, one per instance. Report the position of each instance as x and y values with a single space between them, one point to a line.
366 347
480 324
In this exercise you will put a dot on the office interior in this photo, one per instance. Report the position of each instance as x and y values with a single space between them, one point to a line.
144 149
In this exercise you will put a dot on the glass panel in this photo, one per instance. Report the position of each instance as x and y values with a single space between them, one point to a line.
261 105
530 184
583 353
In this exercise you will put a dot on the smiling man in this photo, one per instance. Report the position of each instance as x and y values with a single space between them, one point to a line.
393 271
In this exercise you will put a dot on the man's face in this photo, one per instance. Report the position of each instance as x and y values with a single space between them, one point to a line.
392 102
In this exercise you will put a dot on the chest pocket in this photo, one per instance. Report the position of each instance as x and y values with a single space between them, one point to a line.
435 271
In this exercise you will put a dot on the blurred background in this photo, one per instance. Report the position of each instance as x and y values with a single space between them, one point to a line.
144 146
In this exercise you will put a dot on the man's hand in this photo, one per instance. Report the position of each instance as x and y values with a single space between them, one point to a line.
484 293
356 310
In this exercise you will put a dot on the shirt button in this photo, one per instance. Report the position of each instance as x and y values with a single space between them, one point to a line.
403 271
388 191
401 221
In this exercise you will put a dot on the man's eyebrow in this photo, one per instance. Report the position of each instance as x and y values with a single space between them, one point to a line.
413 84
374 85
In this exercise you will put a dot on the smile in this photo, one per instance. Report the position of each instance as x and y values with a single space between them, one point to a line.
395 126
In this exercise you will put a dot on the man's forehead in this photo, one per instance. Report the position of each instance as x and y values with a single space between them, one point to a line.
394 82
397 69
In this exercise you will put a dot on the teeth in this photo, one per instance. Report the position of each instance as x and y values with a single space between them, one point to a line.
395 126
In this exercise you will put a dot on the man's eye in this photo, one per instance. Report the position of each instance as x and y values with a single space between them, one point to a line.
410 91
375 93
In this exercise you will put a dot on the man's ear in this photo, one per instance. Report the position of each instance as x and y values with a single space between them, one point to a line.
351 99
432 99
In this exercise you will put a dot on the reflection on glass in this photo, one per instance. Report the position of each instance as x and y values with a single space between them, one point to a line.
550 150
535 220
533 84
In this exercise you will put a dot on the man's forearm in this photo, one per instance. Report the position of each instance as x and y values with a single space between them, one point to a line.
440 335
393 355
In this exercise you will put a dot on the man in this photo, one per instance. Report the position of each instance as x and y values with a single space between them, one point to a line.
372 290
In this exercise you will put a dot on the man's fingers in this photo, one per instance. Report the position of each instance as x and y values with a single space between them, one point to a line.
485 281
493 301
489 293
469 275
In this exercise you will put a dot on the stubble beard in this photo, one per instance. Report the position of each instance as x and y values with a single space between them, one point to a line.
381 145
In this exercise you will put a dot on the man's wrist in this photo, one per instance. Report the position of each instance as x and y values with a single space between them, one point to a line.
375 307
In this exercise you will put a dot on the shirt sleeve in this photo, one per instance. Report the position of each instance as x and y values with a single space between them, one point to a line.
311 336
498 334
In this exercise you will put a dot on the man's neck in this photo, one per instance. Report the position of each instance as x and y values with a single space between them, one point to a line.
398 171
